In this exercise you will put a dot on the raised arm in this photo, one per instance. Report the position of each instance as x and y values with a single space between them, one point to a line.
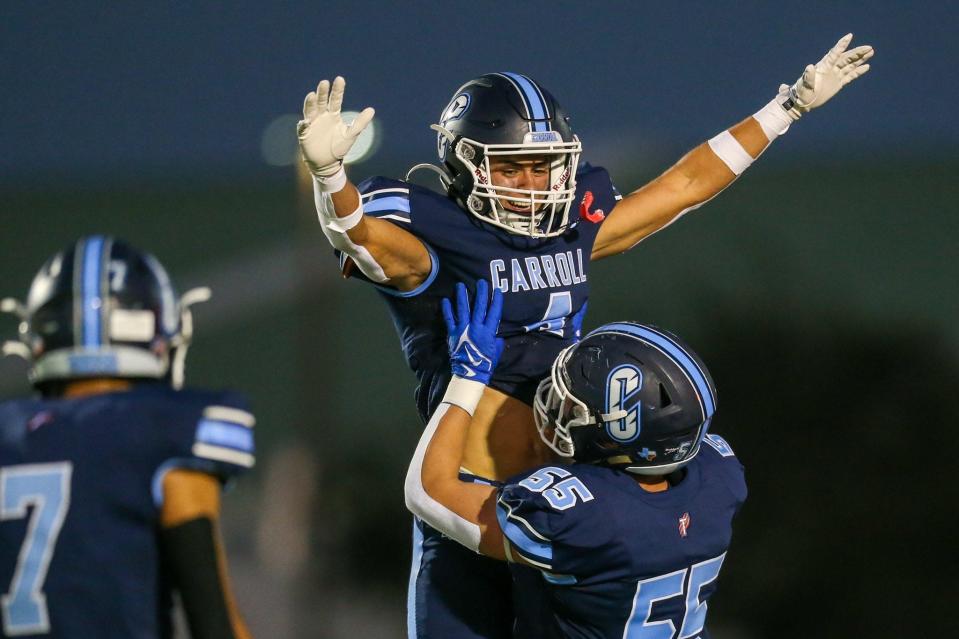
383 252
712 166
463 511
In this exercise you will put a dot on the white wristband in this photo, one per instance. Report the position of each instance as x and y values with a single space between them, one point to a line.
333 183
464 393
344 224
731 152
773 119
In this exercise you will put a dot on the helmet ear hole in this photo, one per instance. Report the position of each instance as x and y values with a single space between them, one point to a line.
664 398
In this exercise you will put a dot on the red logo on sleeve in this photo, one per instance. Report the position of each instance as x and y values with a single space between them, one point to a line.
684 524
596 216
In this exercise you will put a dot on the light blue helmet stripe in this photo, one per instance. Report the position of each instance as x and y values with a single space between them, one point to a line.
90 291
533 98
687 363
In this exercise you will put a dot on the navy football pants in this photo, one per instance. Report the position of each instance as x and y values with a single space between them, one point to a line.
456 593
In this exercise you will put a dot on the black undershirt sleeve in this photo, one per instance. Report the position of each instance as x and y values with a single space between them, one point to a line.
189 555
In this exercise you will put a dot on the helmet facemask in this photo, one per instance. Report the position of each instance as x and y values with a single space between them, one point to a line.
548 214
556 410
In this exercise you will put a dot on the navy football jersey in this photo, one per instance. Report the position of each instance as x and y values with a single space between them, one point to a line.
80 496
545 281
616 560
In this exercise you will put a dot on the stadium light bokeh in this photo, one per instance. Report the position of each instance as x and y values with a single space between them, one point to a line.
278 144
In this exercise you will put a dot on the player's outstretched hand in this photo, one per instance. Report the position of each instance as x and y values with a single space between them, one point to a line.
324 138
473 345
820 81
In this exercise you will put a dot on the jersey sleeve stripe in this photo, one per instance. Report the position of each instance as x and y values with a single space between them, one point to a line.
393 204
230 414
219 453
536 551
378 193
224 434
391 216
434 271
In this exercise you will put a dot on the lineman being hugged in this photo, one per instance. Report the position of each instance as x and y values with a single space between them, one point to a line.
630 531
520 209
110 480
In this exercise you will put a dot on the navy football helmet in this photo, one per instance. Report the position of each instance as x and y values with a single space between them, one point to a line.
101 308
508 114
629 396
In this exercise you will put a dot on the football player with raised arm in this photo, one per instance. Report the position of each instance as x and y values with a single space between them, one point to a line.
519 208
629 532
110 478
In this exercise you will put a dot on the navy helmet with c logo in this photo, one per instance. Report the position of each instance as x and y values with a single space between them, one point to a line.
508 115
628 395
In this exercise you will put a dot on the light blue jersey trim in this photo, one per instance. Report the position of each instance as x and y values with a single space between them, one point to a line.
414 573
559 580
90 283
189 463
434 271
392 203
222 433
539 552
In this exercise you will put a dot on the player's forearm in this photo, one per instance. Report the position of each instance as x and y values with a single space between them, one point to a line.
194 559
441 463
434 493
704 172
711 167
384 253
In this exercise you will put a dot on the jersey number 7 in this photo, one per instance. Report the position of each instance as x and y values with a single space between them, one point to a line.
45 487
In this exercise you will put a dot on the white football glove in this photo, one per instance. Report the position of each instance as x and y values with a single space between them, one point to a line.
823 80
324 138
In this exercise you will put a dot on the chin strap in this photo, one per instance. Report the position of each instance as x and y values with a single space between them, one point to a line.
443 174
180 344
445 177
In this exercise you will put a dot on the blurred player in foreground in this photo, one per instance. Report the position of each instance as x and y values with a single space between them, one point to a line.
630 532
110 479
521 210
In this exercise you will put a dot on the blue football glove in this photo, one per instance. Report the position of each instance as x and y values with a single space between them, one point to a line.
473 345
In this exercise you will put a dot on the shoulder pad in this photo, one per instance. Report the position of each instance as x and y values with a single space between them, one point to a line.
524 521
213 431
597 177
532 510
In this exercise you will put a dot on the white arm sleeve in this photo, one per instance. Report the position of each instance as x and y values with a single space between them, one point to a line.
335 228
428 509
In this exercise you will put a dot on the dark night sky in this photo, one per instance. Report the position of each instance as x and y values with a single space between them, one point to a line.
90 90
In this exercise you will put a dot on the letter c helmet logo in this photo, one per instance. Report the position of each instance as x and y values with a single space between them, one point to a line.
457 108
622 387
